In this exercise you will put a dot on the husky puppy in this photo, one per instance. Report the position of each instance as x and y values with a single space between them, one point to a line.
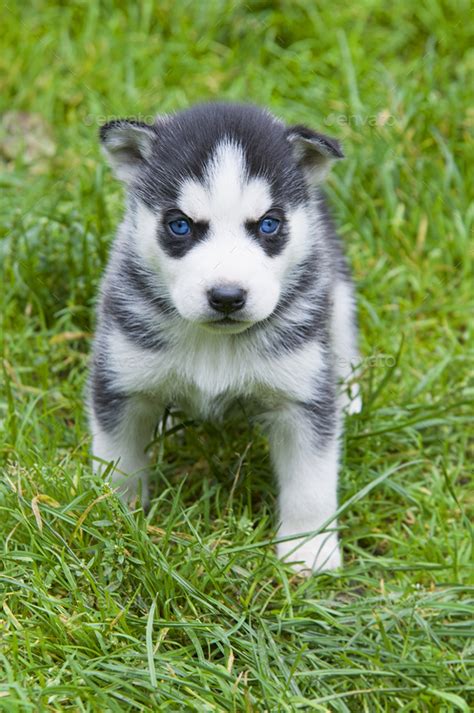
227 281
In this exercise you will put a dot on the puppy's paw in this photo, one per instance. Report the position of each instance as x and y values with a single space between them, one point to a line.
134 493
319 554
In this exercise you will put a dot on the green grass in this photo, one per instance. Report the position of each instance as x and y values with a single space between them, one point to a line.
188 609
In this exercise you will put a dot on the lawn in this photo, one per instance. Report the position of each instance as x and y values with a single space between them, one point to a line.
188 609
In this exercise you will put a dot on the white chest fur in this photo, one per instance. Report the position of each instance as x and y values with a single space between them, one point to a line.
207 371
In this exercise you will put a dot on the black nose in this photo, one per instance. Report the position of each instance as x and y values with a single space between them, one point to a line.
227 298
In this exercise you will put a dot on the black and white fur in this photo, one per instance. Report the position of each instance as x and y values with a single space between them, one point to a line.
159 342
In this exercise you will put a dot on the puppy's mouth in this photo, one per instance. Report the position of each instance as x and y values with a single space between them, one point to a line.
227 325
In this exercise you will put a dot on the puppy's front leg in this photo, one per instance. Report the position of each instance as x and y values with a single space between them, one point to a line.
305 449
121 430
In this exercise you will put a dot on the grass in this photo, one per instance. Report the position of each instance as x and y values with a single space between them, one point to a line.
188 608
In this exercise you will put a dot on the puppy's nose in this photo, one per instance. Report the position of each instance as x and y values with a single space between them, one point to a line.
227 299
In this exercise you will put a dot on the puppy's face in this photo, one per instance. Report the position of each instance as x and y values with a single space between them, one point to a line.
219 201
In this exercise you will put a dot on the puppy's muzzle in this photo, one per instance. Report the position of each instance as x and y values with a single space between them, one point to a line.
227 298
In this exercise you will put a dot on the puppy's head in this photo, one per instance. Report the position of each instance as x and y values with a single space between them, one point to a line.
219 201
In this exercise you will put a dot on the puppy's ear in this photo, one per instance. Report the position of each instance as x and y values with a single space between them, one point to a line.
127 145
315 152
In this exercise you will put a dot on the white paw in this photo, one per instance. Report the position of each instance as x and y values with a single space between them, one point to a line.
319 554
133 491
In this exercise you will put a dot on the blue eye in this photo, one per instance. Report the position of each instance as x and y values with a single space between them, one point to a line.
269 225
181 226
